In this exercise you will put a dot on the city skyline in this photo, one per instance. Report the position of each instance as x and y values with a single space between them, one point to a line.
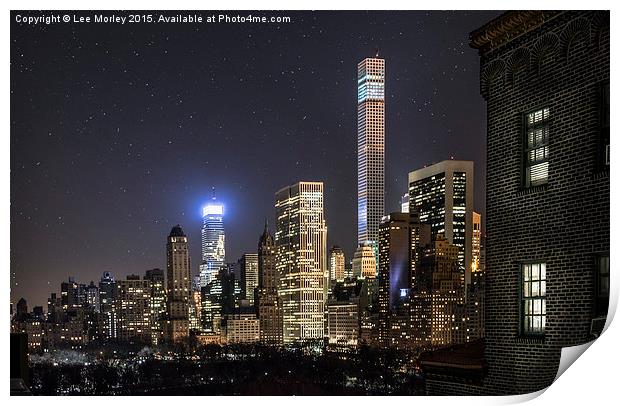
486 262
140 191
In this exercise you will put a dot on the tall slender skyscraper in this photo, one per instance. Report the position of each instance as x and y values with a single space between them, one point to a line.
370 148
179 284
301 259
107 300
269 304
158 301
248 264
212 241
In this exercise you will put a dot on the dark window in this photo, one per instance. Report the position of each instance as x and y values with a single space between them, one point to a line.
533 298
536 152
604 137
602 285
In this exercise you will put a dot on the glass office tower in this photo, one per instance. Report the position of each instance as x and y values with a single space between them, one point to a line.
212 241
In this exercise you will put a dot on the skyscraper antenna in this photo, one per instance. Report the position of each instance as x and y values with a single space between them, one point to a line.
213 192
376 52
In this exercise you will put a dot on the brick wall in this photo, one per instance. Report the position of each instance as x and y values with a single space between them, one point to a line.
561 65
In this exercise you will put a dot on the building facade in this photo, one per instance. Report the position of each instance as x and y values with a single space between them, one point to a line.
241 327
370 148
133 308
438 297
443 194
248 265
336 264
107 302
269 303
343 324
158 302
301 259
545 78
179 285
365 262
213 241
400 238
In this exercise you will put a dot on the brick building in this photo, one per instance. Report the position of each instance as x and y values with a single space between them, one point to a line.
545 78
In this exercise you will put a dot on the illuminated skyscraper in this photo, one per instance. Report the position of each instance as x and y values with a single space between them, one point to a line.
404 203
158 301
107 303
438 296
133 307
301 259
370 148
443 194
248 265
401 237
336 264
365 262
475 242
179 284
212 241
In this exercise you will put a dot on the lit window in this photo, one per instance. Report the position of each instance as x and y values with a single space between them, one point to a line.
536 147
533 293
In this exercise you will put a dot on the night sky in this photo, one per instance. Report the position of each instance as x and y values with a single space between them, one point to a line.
119 132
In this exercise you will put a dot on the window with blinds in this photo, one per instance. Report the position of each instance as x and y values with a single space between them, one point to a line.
536 147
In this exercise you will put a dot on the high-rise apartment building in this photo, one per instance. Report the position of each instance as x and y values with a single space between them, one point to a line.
370 148
133 308
179 284
92 297
248 266
269 303
158 301
438 296
401 237
195 310
443 194
107 301
476 240
219 298
213 241
336 264
70 294
301 259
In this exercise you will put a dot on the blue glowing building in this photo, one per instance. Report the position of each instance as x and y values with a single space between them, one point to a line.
212 241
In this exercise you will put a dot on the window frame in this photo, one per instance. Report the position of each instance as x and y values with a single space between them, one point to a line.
522 299
598 297
525 148
603 147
